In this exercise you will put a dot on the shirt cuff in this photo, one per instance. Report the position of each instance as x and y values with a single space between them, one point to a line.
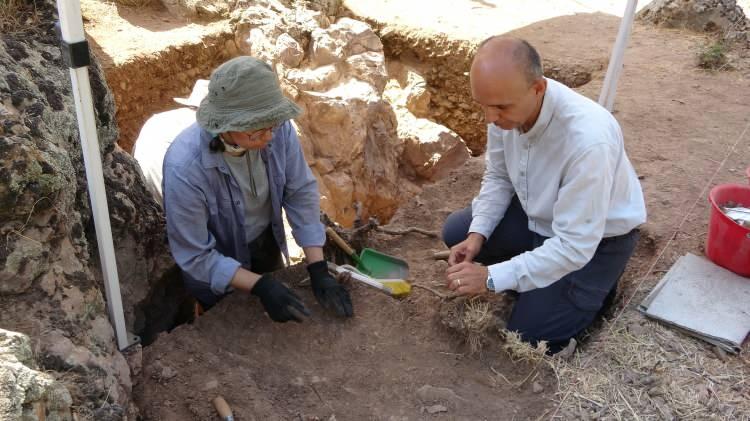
223 276
482 225
503 276
310 235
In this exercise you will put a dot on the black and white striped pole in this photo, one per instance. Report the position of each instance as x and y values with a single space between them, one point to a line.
75 51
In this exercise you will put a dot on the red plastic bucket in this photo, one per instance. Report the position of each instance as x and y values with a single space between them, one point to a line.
728 243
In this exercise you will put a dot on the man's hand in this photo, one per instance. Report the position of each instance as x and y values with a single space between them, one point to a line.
466 250
328 292
280 302
467 278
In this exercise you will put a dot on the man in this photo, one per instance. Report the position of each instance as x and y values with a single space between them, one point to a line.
555 219
226 179
158 133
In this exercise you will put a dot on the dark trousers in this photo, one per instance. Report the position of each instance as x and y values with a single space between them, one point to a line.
564 309
265 256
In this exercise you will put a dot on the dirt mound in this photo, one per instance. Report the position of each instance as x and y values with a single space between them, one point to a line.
391 361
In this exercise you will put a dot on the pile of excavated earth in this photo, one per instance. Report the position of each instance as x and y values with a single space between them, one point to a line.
391 133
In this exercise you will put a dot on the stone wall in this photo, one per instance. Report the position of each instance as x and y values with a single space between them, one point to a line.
50 282
352 135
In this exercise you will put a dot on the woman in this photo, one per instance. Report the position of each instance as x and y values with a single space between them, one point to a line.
226 179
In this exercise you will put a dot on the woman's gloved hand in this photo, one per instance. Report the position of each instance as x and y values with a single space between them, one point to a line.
329 293
280 302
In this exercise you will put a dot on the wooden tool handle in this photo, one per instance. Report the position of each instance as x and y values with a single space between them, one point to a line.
340 242
441 255
222 407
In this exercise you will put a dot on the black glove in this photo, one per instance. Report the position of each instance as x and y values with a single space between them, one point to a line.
327 290
280 302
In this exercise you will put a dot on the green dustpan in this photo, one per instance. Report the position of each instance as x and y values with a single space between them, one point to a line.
372 262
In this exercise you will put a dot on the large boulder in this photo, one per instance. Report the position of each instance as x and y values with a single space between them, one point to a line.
50 280
723 16
430 149
368 153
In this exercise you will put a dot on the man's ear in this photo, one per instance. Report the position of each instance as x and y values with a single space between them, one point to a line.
540 86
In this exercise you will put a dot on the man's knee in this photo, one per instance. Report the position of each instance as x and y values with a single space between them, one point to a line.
456 227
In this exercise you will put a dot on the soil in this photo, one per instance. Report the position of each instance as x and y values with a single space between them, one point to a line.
686 130
368 367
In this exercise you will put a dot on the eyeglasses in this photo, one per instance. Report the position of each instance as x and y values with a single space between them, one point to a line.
262 132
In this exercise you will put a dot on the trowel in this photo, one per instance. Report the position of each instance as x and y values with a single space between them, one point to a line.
372 262
396 288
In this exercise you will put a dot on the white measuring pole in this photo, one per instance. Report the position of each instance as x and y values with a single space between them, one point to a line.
71 26
607 96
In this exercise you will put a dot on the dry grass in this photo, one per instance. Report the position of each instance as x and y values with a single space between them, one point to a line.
642 370
632 369
17 14
477 319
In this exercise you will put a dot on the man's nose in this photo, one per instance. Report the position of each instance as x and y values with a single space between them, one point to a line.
490 115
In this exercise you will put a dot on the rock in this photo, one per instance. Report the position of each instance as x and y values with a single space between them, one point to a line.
210 385
428 394
435 409
198 9
361 37
288 50
536 387
418 100
341 188
569 350
369 67
431 149
134 358
329 7
722 16
26 393
167 373
319 79
328 45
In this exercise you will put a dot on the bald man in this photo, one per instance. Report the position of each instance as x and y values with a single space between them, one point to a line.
557 214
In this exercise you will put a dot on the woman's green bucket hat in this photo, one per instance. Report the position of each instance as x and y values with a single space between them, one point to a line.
244 95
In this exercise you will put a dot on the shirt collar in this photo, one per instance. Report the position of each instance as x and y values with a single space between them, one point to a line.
545 114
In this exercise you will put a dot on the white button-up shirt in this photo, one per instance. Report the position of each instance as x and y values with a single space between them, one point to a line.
573 179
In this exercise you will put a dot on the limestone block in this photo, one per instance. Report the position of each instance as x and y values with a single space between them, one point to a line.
369 67
26 393
341 187
361 37
418 100
431 149
318 79
288 50
328 45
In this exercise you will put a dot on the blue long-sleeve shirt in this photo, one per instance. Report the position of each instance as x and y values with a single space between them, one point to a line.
204 204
